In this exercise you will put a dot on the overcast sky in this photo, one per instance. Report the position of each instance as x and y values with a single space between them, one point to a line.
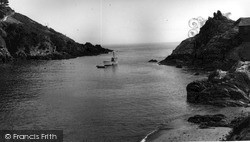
125 21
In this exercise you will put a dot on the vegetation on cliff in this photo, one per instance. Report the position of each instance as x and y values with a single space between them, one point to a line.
21 37
220 48
217 46
212 48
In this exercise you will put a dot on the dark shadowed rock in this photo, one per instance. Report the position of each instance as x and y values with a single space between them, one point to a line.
2 33
222 88
178 66
206 121
4 53
196 73
206 118
153 61
22 37
21 54
183 52
241 129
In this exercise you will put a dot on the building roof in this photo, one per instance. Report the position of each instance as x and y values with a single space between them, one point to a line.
244 21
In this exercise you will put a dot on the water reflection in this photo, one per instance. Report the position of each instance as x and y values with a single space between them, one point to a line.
114 69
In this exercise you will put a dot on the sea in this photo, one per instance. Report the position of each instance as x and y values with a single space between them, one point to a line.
122 103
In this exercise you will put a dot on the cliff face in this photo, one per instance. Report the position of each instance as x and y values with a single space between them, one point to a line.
212 48
4 53
217 46
223 88
24 38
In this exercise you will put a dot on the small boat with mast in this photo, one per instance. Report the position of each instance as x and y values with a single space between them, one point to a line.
112 62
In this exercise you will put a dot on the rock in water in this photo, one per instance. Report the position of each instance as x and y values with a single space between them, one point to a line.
206 118
153 61
206 121
223 88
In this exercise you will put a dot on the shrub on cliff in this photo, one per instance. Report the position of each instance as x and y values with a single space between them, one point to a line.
20 36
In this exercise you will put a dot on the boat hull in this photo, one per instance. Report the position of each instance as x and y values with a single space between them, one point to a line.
100 66
110 63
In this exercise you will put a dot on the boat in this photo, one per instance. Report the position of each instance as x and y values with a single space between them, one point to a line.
107 63
100 66
112 62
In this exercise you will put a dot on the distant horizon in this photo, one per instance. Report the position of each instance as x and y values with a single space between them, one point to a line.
115 44
125 22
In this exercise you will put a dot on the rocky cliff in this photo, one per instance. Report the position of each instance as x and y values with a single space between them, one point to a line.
21 37
223 88
217 46
213 48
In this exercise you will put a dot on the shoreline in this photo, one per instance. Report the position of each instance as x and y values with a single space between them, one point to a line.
151 133
182 130
59 56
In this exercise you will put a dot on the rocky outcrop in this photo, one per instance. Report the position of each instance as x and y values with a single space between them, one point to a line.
223 88
4 53
241 130
23 38
205 121
238 122
152 61
213 48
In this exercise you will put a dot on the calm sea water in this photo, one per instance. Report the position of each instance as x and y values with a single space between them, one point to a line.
122 103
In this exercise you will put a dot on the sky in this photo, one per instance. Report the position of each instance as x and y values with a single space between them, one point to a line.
125 21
